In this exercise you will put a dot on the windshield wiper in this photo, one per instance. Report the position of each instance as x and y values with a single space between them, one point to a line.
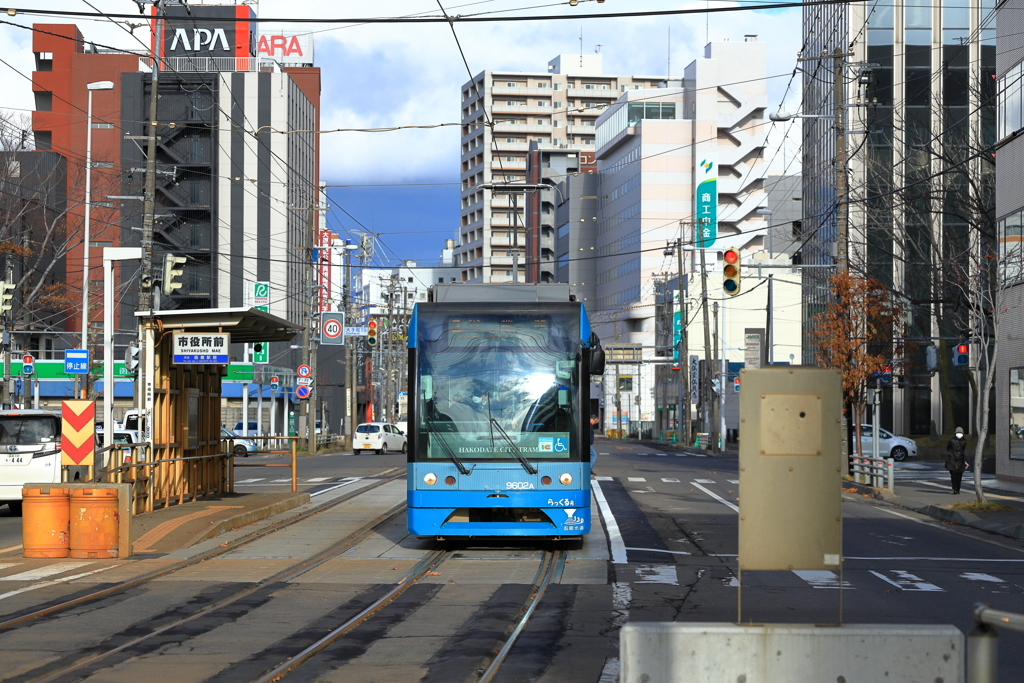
447 449
515 449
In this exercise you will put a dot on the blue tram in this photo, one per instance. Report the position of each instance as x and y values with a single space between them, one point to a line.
499 412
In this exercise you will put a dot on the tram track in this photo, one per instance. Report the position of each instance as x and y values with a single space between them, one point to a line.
202 557
549 571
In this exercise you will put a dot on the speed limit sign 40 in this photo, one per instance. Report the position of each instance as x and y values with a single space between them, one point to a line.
332 328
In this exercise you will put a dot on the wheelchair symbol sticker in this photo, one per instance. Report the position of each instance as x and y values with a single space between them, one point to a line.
561 445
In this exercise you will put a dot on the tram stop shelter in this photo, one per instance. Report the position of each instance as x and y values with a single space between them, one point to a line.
183 399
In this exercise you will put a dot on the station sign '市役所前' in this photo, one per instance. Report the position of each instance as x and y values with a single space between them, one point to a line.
200 348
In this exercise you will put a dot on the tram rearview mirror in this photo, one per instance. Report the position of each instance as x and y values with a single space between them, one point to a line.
596 356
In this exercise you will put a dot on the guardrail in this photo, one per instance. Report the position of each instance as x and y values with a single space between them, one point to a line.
294 441
869 471
982 642
161 481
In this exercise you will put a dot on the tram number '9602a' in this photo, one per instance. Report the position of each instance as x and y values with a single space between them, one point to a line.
518 485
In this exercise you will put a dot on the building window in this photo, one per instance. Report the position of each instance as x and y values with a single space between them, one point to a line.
625 383
14 168
510 84
100 124
1016 389
510 158
558 105
103 164
44 100
510 139
510 102
101 244
558 86
540 122
590 86
542 103
542 85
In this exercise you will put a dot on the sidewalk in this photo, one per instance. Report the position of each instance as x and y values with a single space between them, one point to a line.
934 499
668 446
181 526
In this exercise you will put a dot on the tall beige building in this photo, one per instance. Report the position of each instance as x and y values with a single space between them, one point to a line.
558 107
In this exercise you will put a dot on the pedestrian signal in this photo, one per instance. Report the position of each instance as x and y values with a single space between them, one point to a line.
962 355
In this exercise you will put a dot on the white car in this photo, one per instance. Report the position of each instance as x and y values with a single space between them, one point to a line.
899 448
380 437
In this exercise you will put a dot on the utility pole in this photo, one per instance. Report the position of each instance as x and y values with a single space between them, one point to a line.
708 372
683 405
307 354
713 431
350 353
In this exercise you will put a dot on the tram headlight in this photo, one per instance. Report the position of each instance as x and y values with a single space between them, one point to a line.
565 479
430 479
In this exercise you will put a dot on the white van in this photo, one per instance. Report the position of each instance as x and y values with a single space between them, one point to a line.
29 452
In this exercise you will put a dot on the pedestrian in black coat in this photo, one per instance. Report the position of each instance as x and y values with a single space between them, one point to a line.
956 460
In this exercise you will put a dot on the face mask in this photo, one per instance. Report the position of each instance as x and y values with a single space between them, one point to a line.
477 399
959 435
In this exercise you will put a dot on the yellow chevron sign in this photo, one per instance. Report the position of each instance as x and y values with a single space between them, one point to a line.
78 433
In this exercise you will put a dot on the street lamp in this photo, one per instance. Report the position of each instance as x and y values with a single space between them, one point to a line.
98 85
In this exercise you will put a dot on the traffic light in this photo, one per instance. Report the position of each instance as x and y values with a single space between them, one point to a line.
171 272
731 272
371 333
962 355
932 358
886 374
6 296
131 358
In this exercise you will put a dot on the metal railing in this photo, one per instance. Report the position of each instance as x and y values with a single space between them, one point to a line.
294 443
162 481
982 642
866 470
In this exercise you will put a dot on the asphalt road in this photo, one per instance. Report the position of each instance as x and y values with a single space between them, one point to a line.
899 568
673 558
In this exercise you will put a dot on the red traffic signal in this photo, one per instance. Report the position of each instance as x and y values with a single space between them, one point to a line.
371 333
961 348
731 272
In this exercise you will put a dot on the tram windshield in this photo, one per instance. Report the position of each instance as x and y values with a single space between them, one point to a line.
498 386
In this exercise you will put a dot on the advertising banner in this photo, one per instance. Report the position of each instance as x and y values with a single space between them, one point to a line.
707 203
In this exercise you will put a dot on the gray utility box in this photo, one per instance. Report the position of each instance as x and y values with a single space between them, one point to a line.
790 469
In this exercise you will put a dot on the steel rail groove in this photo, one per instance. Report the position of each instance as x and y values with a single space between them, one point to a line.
283 576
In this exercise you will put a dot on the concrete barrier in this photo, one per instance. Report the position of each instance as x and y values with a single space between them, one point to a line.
668 652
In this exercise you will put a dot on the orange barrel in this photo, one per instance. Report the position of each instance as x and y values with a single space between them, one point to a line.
94 520
45 522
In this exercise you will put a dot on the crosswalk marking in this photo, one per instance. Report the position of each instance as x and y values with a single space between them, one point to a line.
318 479
248 481
663 455
681 455
281 481
733 481
603 478
636 479
906 581
43 572
975 576
670 481
705 481
821 579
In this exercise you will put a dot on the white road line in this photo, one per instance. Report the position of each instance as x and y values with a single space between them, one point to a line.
656 550
821 579
670 481
636 479
906 581
681 455
248 481
705 481
716 496
602 453
621 595
662 455
352 480
699 455
44 584
974 576
657 573
611 527
603 479
43 572
319 479
733 481
282 481
7 550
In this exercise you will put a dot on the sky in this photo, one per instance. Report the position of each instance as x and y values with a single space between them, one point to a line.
404 184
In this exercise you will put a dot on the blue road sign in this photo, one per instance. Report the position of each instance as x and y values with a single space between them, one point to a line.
302 392
76 361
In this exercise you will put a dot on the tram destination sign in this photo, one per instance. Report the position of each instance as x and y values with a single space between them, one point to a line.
200 348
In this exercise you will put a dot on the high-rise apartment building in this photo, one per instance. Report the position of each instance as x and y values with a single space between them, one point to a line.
918 101
558 108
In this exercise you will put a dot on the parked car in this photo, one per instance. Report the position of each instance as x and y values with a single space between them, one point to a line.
254 428
899 448
380 437
242 446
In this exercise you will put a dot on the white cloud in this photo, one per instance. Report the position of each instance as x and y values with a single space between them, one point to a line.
377 75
